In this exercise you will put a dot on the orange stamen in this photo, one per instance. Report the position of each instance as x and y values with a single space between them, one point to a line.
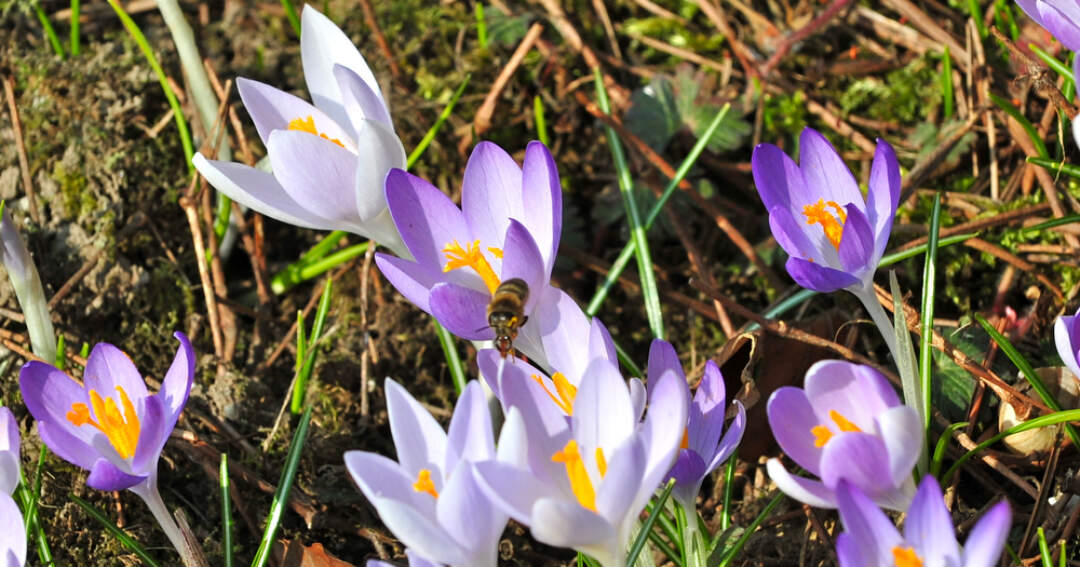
308 125
906 557
120 427
580 483
564 394
471 257
424 484
832 225
822 434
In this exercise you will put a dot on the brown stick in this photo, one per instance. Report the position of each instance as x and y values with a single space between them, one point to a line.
482 122
20 148
200 260
1021 264
801 34
380 39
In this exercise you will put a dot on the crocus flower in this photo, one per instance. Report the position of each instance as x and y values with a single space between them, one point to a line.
1060 17
582 482
847 423
12 529
871 540
111 425
415 560
1067 340
430 498
24 278
834 239
329 159
507 227
703 449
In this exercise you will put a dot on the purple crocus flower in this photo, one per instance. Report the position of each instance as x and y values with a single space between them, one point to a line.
703 449
847 423
111 425
329 159
508 226
834 238
871 540
430 498
1061 18
1067 340
415 560
581 483
12 529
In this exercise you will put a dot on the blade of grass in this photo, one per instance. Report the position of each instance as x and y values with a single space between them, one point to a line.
738 545
116 532
61 354
50 31
665 548
74 47
684 168
481 25
289 278
290 273
151 59
946 85
1034 423
1052 62
1044 549
430 135
301 382
729 489
453 359
647 525
1028 371
226 513
541 121
942 444
1051 224
290 12
926 352
628 362
1015 113
1056 167
975 11
907 365
281 496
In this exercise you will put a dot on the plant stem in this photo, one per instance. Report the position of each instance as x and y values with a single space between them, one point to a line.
148 491
881 319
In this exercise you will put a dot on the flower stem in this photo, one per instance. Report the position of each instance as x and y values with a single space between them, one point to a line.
148 491
881 319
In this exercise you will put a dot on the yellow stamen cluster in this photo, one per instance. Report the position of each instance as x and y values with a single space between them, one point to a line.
424 484
822 433
905 557
564 393
580 483
121 428
472 257
308 125
832 225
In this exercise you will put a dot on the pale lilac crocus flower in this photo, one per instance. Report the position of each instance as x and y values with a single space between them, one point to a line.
24 278
705 445
430 498
846 423
110 424
834 238
12 528
508 226
415 560
330 159
1062 19
871 540
1067 340
583 482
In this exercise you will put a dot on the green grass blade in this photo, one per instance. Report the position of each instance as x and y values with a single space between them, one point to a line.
628 362
300 385
281 496
430 135
680 174
1044 549
453 359
738 545
895 257
74 46
942 444
1056 167
61 352
289 278
647 525
481 25
1035 423
975 11
1052 62
116 532
1028 371
301 340
290 12
50 31
947 96
541 121
226 513
1070 219
926 358
729 491
1012 111
637 228
907 365
151 59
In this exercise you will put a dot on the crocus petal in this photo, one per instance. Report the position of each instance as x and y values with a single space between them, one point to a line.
929 527
470 435
420 441
616 492
566 524
847 552
417 560
791 235
361 100
792 419
152 435
662 358
322 46
522 259
706 422
542 200
662 431
513 446
12 533
461 310
825 174
9 451
862 460
176 385
856 242
106 476
411 279
857 392
638 397
900 430
600 343
49 394
1058 18
491 192
379 477
688 467
731 439
883 194
871 530
465 514
603 417
316 172
259 191
427 219
987 539
378 150
109 368
514 490
1067 341
804 490
274 109
818 278
778 179
562 324
420 531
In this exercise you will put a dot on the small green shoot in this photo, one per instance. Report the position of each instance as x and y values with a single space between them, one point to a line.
74 45
430 135
947 96
290 12
226 513
1015 113
646 526
481 25
926 359
942 445
541 121
50 32
116 532
281 495
304 374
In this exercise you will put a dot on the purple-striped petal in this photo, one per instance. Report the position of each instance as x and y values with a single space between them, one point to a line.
420 531
987 539
464 511
662 358
562 324
566 524
106 476
615 494
9 451
662 431
856 242
412 280
426 218
470 436
730 442
871 531
1067 341
513 489
542 201
380 477
778 179
825 174
706 422
790 234
901 431
12 533
805 490
855 391
1059 18
883 195
462 310
49 394
420 440
109 368
848 553
603 417
152 436
491 193
322 46
817 277
316 172
689 468
176 385
361 100
792 419
929 527
862 460
378 150
522 259
274 109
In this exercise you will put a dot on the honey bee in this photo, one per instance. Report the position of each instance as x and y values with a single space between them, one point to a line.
506 313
